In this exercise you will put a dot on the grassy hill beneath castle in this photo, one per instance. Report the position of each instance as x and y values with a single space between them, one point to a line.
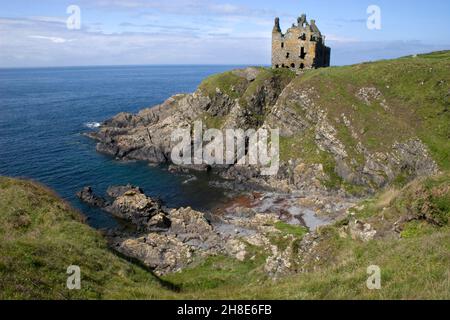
359 128
383 125
370 109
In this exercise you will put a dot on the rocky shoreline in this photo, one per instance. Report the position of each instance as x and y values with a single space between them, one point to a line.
255 98
168 240
310 190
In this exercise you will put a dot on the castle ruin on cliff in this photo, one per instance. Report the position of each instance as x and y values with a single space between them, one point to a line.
301 47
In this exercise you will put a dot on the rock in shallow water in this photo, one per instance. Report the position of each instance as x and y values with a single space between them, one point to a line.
87 196
130 204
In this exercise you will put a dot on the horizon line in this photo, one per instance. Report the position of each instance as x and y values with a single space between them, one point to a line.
137 65
203 64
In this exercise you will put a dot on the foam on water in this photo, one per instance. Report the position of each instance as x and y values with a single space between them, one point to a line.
92 125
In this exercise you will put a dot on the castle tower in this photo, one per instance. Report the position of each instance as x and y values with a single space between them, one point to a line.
301 47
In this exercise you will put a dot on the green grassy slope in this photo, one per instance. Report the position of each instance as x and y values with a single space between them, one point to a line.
238 87
40 236
413 102
416 90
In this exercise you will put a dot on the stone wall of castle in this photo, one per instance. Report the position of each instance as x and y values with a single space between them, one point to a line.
302 47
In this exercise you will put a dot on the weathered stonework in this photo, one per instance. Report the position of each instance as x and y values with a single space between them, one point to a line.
301 47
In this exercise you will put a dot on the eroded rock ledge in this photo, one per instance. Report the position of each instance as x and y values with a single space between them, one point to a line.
338 150
331 147
168 240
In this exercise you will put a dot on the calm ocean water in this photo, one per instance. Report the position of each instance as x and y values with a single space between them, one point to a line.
43 113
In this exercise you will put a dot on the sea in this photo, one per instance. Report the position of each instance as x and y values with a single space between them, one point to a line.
45 111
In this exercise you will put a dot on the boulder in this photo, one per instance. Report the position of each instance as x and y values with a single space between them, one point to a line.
130 204
87 196
162 253
134 206
191 226
118 191
358 230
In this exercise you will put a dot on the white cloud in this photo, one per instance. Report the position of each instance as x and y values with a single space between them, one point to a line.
52 39
60 20
218 34
29 43
180 7
225 8
336 38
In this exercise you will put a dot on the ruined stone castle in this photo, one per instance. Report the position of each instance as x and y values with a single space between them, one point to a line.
301 47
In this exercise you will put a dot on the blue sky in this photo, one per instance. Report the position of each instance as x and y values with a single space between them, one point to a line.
121 32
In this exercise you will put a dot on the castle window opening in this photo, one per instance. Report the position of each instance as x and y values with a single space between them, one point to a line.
292 65
282 44
277 66
302 53
287 55
302 66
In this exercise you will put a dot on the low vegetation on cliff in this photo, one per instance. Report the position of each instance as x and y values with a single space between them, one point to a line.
388 101
360 128
378 128
41 236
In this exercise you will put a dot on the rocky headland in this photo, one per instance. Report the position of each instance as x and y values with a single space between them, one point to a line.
346 134
364 181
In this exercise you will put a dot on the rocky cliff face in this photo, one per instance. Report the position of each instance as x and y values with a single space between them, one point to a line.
351 130
299 113
332 136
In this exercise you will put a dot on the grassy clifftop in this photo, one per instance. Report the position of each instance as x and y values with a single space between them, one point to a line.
41 236
412 98
370 108
372 105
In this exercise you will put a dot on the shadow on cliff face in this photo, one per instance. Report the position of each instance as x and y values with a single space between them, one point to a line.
163 283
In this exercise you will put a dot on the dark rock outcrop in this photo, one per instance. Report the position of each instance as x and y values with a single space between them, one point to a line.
130 204
262 98
87 196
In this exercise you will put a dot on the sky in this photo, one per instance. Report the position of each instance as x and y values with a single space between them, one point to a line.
34 33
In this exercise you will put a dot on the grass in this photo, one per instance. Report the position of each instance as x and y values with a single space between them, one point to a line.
276 80
40 236
229 83
415 90
414 103
303 146
238 87
285 228
281 77
423 200
212 122
219 274
416 229
410 269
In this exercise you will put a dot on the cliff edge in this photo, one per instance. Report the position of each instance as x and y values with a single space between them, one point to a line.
357 128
